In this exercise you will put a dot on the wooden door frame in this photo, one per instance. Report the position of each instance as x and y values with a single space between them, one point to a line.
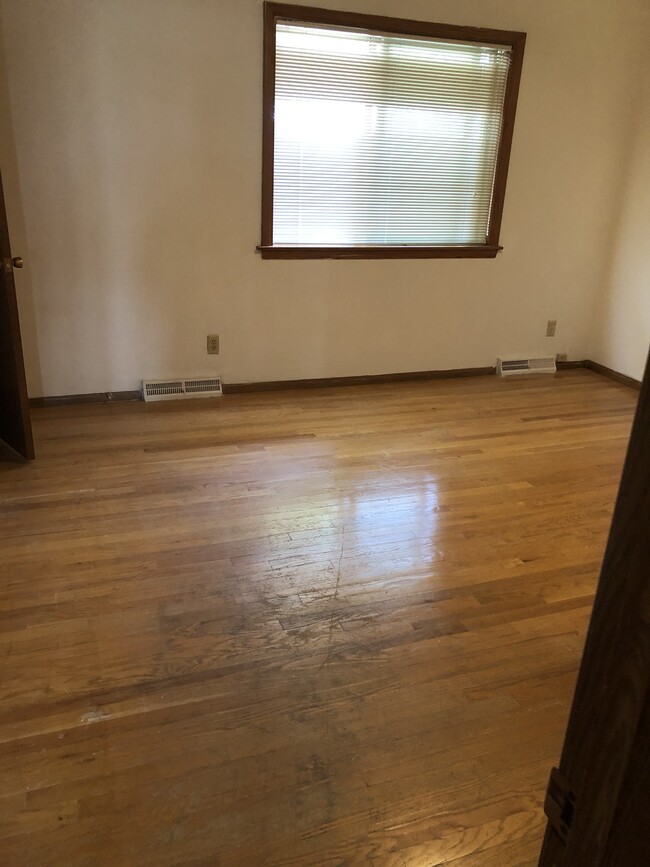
20 409
605 754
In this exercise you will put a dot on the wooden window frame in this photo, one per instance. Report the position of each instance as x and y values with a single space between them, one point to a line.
273 12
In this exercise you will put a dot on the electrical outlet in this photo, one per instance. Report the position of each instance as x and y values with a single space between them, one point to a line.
213 344
550 327
561 356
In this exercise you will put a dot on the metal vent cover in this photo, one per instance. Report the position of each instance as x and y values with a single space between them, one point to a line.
181 389
518 366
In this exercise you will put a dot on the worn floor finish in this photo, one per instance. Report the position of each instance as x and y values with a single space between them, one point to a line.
312 628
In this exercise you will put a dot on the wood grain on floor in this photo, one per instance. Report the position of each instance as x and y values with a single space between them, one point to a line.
327 627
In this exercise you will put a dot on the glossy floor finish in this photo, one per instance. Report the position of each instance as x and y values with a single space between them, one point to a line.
304 628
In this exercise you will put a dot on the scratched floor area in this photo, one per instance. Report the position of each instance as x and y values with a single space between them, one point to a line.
327 627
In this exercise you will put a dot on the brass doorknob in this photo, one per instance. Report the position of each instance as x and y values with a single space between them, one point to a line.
18 262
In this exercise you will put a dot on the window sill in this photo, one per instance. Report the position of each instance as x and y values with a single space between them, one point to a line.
477 251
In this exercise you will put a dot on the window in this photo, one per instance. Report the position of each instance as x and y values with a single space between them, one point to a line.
384 138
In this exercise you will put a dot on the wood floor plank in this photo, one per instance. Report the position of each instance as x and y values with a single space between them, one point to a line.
328 627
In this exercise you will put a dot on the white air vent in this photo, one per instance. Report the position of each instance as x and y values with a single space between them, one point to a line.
517 366
180 389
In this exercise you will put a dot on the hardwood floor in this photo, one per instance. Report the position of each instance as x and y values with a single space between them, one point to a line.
307 628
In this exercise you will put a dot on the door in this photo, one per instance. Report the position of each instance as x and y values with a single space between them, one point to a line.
598 803
15 424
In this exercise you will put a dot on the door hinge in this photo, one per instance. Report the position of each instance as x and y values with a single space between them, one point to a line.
559 804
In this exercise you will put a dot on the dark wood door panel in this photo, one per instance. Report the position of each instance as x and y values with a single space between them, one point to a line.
15 423
606 759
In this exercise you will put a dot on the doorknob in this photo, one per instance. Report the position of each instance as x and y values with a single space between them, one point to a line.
18 262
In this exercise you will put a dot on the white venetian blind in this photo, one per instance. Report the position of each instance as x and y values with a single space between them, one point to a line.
384 139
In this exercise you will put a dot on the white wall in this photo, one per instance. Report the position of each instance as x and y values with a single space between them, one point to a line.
138 133
623 337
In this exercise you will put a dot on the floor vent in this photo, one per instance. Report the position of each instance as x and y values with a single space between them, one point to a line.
181 389
517 366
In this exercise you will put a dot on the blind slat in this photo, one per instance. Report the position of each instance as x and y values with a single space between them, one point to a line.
384 139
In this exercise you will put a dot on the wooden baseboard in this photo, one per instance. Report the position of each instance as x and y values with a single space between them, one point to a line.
370 379
328 382
602 370
571 365
276 385
613 374
96 397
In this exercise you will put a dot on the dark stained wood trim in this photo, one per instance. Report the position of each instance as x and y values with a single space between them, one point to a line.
570 365
518 42
370 379
324 382
613 374
601 369
629 841
455 252
315 15
290 384
605 737
268 124
94 397
15 400
389 24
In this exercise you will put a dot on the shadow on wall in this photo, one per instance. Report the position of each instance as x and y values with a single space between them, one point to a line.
624 325
129 176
